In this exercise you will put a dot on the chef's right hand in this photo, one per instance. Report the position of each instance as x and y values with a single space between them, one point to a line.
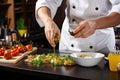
51 31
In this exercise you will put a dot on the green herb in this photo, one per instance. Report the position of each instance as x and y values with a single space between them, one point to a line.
50 58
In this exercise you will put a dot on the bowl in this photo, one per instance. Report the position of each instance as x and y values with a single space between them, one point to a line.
87 59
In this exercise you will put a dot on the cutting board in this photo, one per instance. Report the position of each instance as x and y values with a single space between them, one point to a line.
17 58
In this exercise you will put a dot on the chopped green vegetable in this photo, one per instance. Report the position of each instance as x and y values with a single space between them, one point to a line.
51 58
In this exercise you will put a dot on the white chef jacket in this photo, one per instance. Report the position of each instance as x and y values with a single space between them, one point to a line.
103 40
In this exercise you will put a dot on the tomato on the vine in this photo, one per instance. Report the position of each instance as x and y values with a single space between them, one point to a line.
29 47
15 52
2 50
21 48
7 55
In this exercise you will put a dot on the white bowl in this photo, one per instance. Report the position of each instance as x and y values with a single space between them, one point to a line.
87 59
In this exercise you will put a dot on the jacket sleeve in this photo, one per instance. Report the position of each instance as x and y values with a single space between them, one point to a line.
115 6
51 4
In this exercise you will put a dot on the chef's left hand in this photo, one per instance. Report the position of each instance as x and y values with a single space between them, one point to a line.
84 29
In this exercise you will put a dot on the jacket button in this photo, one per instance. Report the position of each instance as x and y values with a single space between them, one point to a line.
72 45
90 47
73 20
96 8
74 7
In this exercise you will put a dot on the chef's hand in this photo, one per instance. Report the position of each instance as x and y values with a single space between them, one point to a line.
84 29
51 31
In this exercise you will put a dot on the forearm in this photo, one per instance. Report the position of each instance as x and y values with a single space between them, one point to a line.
108 21
44 14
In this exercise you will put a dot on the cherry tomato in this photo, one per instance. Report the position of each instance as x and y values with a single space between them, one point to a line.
7 55
17 45
2 50
21 48
29 47
14 52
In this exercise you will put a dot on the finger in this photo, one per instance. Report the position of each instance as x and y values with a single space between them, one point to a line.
48 36
58 35
86 34
78 28
52 38
81 32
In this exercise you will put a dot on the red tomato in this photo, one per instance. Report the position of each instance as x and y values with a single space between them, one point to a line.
16 49
29 47
7 55
20 48
14 52
16 45
2 50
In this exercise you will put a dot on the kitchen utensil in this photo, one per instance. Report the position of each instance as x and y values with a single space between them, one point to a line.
10 36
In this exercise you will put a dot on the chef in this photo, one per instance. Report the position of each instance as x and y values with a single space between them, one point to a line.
91 23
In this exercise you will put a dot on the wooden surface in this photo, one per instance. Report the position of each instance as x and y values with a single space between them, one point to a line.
17 58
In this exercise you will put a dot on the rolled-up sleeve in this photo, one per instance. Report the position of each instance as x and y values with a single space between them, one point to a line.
51 4
115 6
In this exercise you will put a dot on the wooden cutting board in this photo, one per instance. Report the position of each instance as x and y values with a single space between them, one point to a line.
17 58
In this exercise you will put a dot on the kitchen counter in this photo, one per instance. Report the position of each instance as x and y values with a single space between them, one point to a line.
99 72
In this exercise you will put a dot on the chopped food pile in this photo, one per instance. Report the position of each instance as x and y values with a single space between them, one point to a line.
50 58
85 56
